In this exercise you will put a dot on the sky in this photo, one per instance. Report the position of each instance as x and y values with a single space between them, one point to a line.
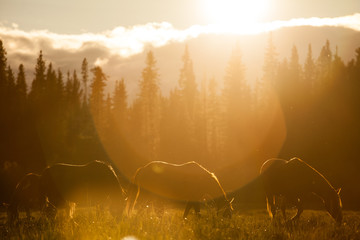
112 33
78 16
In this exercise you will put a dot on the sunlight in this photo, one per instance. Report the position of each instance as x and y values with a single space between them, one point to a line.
235 13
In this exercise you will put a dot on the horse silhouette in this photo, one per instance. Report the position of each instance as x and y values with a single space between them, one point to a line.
92 184
189 182
26 196
291 181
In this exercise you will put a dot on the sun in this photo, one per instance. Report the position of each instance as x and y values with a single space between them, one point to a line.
233 13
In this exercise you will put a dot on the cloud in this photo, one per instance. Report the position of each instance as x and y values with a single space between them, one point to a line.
126 42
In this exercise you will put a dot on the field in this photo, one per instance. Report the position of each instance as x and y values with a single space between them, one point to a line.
148 224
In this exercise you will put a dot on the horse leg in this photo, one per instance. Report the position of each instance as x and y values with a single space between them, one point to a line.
28 215
197 208
189 205
99 212
271 208
299 206
70 207
283 207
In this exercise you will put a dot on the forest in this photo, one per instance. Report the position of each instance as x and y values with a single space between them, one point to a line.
72 117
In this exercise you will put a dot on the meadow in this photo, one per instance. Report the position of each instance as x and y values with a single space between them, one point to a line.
150 224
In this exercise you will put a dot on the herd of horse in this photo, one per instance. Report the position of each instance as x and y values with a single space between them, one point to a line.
64 186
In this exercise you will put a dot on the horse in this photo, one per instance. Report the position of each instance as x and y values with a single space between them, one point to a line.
188 182
28 196
291 181
91 184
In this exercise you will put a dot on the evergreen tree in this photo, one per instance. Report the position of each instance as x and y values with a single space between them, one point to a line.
149 100
60 88
85 79
68 89
236 91
309 71
76 92
52 102
236 103
120 102
295 67
187 85
270 63
269 79
11 86
188 124
3 79
213 121
38 85
323 67
11 108
97 103
21 89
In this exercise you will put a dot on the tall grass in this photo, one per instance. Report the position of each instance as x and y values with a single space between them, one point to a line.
149 224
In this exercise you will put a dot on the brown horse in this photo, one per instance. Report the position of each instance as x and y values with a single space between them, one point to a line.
189 182
92 184
27 196
291 181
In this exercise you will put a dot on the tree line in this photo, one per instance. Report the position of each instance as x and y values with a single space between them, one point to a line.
70 116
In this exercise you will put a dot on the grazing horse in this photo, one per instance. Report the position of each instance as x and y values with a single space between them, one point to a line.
189 182
92 184
291 181
27 196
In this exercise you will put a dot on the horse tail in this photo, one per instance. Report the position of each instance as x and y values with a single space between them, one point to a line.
270 202
130 206
136 197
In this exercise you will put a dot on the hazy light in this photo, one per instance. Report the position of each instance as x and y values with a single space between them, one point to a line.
129 238
235 13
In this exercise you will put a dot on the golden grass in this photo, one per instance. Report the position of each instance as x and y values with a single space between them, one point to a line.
150 224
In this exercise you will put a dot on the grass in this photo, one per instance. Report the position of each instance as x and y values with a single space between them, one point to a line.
147 224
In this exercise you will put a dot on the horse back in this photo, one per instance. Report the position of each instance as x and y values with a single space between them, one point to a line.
293 177
184 182
82 184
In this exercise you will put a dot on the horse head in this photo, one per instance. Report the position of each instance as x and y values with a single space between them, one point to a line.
12 212
334 206
229 208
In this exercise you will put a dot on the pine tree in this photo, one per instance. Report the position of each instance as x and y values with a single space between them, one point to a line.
11 85
188 112
236 91
97 102
11 97
38 85
21 89
3 79
51 90
269 79
270 63
85 79
187 85
21 86
120 102
323 64
309 71
213 119
60 88
149 100
76 92
236 103
295 67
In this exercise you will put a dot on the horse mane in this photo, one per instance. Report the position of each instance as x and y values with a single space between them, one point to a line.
308 165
